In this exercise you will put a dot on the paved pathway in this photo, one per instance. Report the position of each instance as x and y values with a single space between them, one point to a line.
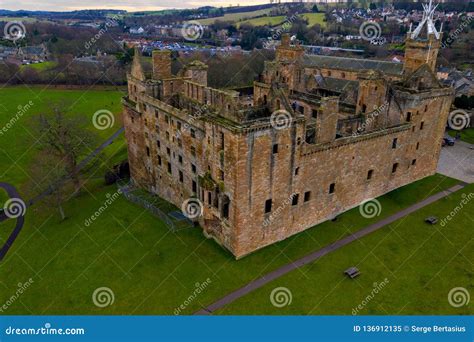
13 193
457 161
321 252
20 221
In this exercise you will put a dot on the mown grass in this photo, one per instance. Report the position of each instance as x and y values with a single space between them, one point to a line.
467 135
150 269
412 265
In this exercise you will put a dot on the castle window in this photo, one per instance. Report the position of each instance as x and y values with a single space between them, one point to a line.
275 148
221 174
167 119
194 186
297 170
307 196
343 75
301 109
146 122
376 88
421 125
146 135
278 105
417 145
426 108
147 151
222 141
268 206
132 118
180 159
294 199
181 177
193 133
209 198
394 167
156 113
394 143
169 167
370 174
413 162
178 123
159 160
314 113
180 143
168 136
332 188
264 99
408 116
329 73
193 168
168 151
158 143
364 108
193 151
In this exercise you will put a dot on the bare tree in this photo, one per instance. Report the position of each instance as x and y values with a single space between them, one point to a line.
67 138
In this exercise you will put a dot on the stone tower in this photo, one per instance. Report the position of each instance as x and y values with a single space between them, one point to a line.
423 44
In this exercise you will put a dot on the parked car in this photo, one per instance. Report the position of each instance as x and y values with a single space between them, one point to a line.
449 141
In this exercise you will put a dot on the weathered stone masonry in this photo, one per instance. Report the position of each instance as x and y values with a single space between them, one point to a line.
359 129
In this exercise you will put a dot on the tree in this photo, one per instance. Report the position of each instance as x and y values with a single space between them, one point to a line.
47 173
66 138
315 9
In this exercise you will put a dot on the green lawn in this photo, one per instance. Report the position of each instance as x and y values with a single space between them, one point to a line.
315 18
150 269
413 266
40 66
234 17
264 21
18 144
467 135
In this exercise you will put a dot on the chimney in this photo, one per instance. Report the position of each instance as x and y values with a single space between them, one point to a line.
161 64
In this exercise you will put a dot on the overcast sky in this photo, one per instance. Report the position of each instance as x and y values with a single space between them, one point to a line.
129 5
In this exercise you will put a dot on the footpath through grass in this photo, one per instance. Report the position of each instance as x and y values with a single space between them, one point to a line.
149 269
406 268
467 135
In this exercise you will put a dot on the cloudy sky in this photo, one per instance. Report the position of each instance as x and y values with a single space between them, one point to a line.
129 5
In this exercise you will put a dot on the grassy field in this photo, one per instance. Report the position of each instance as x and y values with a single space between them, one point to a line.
40 66
263 21
412 265
235 17
467 135
150 269
315 18
18 144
